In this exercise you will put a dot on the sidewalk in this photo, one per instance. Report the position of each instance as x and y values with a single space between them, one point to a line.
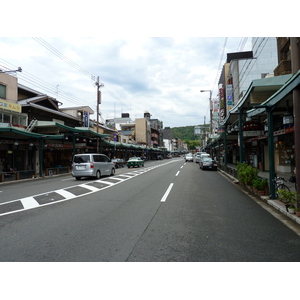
274 203
286 176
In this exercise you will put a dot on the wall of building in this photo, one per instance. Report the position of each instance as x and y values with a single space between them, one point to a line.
11 84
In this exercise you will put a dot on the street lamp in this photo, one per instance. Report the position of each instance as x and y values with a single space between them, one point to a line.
210 107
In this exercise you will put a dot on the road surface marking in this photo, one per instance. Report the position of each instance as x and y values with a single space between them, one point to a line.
29 202
89 187
65 194
177 173
164 198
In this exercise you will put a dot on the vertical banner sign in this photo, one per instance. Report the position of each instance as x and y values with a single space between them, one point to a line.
222 103
229 97
86 119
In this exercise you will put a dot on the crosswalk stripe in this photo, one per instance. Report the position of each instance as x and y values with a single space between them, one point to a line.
29 202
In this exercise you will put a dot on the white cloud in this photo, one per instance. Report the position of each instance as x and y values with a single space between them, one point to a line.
161 75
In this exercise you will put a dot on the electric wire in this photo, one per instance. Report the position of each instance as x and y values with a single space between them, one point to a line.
77 67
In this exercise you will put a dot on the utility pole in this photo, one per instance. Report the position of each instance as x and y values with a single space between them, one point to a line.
98 85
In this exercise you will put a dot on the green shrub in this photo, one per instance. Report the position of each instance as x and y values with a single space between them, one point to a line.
259 183
246 174
287 197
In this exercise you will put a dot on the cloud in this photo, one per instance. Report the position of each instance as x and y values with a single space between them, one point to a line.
163 75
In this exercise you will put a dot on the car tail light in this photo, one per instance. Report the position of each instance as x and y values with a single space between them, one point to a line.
92 165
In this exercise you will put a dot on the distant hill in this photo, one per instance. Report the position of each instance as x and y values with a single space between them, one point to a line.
185 133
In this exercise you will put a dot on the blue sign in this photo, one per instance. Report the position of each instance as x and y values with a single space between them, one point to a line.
86 119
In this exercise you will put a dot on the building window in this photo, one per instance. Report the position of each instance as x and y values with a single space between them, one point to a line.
2 91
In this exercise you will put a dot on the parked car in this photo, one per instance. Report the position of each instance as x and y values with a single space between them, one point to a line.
169 156
119 163
208 163
189 157
135 162
202 156
198 156
91 165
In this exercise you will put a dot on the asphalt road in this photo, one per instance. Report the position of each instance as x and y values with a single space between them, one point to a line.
167 211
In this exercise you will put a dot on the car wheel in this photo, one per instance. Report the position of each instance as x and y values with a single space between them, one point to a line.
98 174
112 172
78 178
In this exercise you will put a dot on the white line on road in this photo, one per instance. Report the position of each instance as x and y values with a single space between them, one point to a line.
29 202
89 187
66 194
164 198
177 173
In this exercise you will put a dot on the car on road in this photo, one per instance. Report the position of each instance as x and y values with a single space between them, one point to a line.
91 165
119 163
197 156
207 163
169 156
189 157
135 162
202 155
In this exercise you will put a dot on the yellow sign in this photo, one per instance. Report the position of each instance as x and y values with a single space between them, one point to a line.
10 106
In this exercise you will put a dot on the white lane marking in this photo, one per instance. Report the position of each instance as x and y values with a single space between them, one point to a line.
105 182
177 173
29 202
89 187
164 198
181 167
65 194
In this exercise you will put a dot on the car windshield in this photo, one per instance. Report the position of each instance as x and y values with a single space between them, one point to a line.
207 159
189 155
81 159
134 158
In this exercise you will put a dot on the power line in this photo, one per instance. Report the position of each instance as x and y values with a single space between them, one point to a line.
76 66
65 58
45 86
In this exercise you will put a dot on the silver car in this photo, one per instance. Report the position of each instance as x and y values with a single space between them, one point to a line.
189 157
91 165
198 157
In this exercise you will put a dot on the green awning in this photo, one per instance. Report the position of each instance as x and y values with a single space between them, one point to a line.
6 132
80 130
264 84
284 91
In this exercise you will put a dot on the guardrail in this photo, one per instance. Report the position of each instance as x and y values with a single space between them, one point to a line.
57 170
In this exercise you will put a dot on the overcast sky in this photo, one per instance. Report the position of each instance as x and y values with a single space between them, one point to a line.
160 75
126 44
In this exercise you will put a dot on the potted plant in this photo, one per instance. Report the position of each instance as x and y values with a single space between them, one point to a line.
246 174
259 185
289 198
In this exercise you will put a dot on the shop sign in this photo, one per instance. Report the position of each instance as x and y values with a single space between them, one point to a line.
252 133
10 106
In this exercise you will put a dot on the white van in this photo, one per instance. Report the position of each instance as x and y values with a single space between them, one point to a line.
91 165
